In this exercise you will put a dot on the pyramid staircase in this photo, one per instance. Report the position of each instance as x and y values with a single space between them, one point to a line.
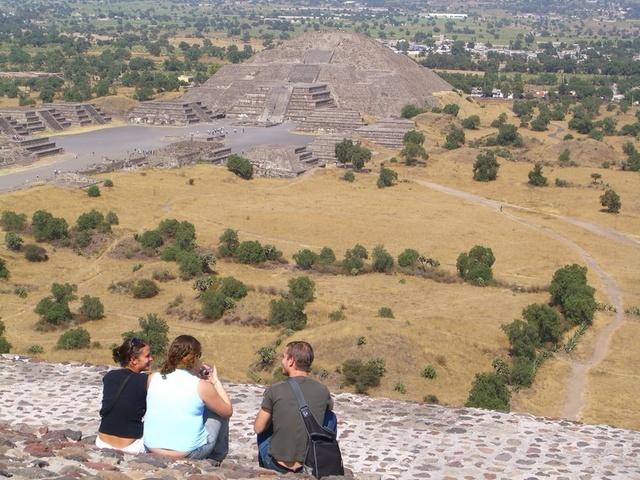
40 146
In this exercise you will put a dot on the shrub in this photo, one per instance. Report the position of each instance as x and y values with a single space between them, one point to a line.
214 304
74 339
112 218
385 312
287 313
5 346
429 372
46 227
455 139
363 375
536 178
305 258
203 284
451 109
352 263
471 123
567 137
431 399
272 253
348 177
4 271
413 136
35 349
348 152
302 289
189 263
508 135
413 153
12 221
153 330
337 315
326 256
93 191
89 220
570 291
108 183
382 261
230 287
522 372
545 320
523 338
386 178
400 388
476 265
145 288
408 257
498 122
266 357
54 309
240 166
489 391
410 111
13 241
83 239
162 275
565 157
151 239
250 252
486 167
228 243
91 308
610 200
560 183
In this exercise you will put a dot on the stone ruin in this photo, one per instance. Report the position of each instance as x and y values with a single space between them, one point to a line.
281 162
48 426
172 113
52 116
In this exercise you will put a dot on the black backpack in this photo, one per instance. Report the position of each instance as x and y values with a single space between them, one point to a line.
323 457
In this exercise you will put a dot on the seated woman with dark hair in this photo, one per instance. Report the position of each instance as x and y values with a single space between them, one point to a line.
187 406
124 398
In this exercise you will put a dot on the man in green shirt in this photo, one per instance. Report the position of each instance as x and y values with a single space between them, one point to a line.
282 436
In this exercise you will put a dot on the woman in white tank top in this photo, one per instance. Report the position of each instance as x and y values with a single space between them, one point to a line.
187 406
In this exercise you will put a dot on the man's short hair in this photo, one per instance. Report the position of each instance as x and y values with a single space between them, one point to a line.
302 354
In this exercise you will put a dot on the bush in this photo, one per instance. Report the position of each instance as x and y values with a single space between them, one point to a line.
13 241
476 265
74 339
35 349
46 227
91 308
386 178
408 257
385 312
153 330
348 177
471 123
413 153
272 253
151 239
570 291
4 271
240 166
305 258
498 122
287 313
145 288
429 372
545 320
230 287
489 391
352 263
250 252
610 200
451 109
54 309
5 346
93 191
214 304
112 218
327 256
523 338
363 375
266 357
301 289
522 372
108 183
410 111
560 183
89 220
508 135
382 261
565 157
83 239
228 243
12 221
400 388
455 139
189 263
486 167
348 152
536 178
413 136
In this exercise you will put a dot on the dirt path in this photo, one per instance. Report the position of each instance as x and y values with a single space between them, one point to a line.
575 394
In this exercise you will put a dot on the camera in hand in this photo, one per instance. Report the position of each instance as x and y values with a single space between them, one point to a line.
204 372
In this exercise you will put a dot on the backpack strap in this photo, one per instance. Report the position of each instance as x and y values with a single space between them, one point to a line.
105 411
310 422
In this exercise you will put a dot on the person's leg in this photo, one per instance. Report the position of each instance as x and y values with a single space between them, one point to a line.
221 447
264 443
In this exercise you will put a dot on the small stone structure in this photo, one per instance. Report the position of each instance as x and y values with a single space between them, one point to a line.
53 116
281 162
388 132
331 120
171 113
48 426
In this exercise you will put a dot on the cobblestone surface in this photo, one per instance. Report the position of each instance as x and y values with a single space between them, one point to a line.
379 438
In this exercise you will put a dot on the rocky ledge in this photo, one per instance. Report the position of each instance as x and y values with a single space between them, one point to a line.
48 416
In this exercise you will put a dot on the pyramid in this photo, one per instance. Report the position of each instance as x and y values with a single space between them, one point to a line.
317 71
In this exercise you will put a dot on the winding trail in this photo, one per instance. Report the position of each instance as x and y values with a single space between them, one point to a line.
575 395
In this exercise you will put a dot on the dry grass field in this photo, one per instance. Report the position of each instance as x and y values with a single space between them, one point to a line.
455 327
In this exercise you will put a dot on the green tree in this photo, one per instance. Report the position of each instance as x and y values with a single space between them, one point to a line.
74 339
451 109
13 241
486 167
455 139
12 221
610 200
249 252
54 309
363 375
489 391
523 338
565 157
536 178
89 220
232 288
408 257
413 153
154 331
93 191
151 239
413 136
522 372
381 260
410 111
228 243
214 304
386 178
305 258
241 166
302 289
545 320
475 266
91 308
327 256
46 227
471 123
35 253
4 271
508 135
287 313
145 288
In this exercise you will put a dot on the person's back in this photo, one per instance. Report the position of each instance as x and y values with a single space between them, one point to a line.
282 436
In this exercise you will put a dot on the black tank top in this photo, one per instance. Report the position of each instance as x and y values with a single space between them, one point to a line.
125 418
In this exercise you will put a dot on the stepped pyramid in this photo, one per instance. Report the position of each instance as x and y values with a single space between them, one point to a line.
317 71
